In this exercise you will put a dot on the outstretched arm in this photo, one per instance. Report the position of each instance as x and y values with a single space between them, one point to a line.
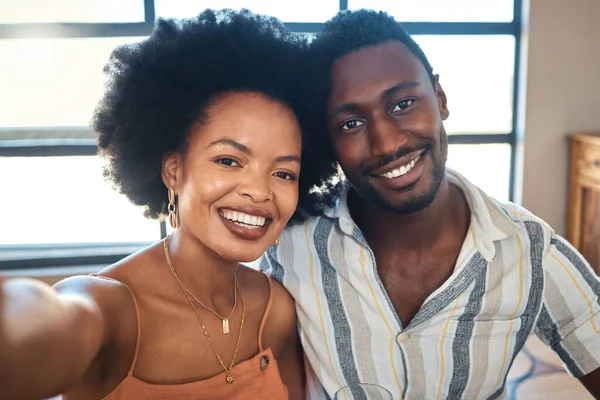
48 337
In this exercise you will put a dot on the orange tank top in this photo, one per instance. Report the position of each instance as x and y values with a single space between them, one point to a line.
257 378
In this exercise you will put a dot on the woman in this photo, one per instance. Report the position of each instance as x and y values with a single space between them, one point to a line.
201 122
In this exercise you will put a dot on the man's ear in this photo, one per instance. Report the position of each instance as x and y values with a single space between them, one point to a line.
171 170
441 98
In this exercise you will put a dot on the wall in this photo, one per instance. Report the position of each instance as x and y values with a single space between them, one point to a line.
562 51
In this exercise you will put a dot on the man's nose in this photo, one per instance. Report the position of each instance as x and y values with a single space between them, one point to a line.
386 137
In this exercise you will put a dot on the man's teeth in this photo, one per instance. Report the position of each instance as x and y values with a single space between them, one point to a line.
402 170
245 220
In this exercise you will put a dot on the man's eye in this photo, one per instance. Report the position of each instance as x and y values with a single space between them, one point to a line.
403 105
230 162
352 124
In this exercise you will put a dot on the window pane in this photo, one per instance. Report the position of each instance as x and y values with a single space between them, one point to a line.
287 11
18 11
52 82
441 10
485 165
476 72
66 200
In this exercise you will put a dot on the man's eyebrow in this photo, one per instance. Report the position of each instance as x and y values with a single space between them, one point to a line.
232 143
396 88
352 107
349 107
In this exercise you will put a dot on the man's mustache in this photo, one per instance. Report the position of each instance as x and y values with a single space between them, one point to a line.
388 158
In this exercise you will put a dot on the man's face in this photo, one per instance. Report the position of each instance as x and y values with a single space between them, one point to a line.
385 121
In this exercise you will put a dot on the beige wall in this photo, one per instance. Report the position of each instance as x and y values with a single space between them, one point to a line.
562 48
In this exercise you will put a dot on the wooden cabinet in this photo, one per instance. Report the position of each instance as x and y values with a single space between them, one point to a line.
583 230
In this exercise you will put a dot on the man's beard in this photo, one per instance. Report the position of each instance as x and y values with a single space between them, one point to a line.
419 201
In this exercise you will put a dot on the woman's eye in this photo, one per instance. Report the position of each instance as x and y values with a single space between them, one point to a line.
352 124
403 105
285 175
230 162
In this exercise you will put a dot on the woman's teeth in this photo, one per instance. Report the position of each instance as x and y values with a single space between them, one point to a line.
402 170
245 220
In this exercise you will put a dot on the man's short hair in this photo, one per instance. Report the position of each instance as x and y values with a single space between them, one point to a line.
350 31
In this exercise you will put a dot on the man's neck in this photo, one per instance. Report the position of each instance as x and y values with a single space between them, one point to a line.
448 215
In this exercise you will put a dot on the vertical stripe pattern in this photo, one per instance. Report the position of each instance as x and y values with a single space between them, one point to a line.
514 276
339 321
462 342
536 251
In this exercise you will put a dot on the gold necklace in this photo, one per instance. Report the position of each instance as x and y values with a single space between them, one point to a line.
229 375
224 320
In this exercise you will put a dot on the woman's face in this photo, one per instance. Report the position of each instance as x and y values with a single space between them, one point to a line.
237 185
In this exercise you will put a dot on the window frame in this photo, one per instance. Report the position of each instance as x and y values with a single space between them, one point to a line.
51 141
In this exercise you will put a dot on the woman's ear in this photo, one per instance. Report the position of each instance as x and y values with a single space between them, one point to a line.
171 170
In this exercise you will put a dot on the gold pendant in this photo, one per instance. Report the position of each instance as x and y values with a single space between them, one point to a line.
225 326
229 378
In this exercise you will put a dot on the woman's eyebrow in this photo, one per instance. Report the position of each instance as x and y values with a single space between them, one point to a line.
232 143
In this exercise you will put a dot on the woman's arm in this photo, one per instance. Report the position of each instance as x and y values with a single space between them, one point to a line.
48 336
290 358
291 367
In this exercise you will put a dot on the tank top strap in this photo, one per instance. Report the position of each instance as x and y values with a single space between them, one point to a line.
266 314
138 322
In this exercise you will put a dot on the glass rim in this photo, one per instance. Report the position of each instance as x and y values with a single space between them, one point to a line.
363 384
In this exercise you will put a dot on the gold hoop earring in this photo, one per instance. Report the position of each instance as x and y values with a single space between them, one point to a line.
277 242
172 209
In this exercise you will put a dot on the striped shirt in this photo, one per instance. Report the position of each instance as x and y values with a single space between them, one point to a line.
513 276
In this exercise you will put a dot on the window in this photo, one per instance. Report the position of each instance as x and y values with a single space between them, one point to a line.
290 11
486 165
48 82
66 199
441 10
14 12
476 73
51 60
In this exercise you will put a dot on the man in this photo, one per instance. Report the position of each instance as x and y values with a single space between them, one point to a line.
416 280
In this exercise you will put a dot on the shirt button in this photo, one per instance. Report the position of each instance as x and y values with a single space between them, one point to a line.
404 337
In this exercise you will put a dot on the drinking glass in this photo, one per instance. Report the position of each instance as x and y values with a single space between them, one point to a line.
362 391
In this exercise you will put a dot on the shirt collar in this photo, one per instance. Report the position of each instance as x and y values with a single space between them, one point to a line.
489 221
341 212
